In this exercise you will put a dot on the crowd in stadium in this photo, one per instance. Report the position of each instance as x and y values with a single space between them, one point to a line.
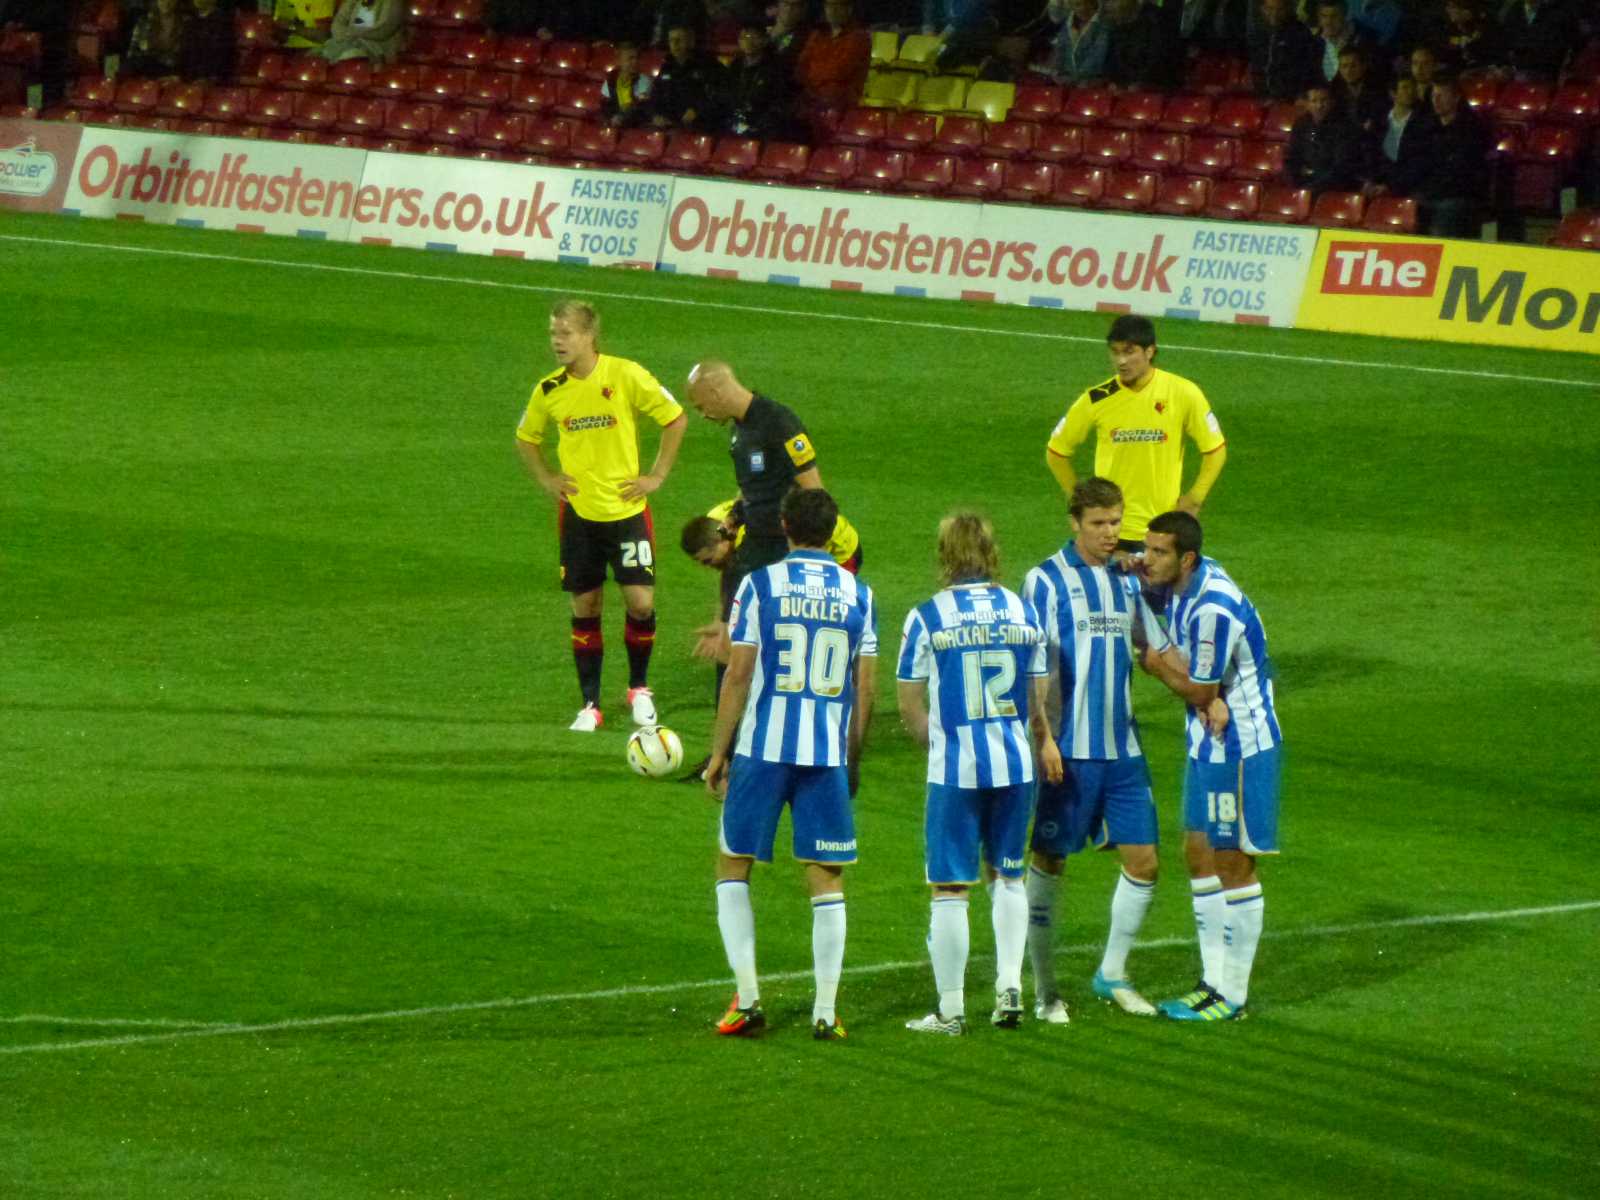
1384 96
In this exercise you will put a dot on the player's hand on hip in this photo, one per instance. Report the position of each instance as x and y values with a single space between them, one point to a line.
561 486
638 489
717 776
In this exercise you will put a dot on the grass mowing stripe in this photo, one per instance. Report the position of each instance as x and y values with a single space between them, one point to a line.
657 989
940 326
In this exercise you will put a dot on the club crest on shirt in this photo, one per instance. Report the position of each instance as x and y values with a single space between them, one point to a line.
1161 406
758 460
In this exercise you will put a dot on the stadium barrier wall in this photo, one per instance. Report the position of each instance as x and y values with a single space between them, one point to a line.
1046 257
1483 292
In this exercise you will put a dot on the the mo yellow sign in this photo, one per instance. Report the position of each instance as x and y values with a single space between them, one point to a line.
1454 291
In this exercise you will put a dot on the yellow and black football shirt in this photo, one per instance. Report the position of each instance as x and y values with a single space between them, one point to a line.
599 440
841 546
1139 440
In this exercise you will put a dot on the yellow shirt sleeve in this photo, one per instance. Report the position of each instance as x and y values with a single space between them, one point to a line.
534 419
1073 428
1199 422
650 398
842 545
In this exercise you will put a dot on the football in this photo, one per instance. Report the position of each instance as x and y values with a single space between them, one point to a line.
655 751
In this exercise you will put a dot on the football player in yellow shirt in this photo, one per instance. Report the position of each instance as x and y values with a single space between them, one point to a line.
595 401
1140 417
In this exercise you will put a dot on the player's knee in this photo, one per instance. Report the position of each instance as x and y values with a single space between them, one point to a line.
1235 868
586 604
959 891
1141 863
1198 858
1050 864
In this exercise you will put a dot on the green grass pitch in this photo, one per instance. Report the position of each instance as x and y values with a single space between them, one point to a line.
282 742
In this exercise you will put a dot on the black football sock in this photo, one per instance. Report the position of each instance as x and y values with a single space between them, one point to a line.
588 651
639 635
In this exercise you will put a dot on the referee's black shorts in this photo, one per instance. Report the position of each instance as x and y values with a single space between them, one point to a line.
588 548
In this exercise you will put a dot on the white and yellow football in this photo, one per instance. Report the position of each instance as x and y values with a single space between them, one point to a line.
654 751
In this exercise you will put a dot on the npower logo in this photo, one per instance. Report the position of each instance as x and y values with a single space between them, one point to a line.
1381 269
26 170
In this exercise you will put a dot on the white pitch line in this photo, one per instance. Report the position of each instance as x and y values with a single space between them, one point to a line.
658 989
940 326
118 1022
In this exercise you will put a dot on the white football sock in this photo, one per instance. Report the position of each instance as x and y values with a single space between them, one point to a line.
827 952
1210 914
1042 889
1009 910
737 920
1129 903
948 941
1246 908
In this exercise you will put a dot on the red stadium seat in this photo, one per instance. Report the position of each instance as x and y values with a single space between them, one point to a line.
1213 75
592 141
929 174
196 127
253 29
395 81
978 177
1136 110
1391 214
782 161
1028 182
1547 142
1575 103
861 127
456 14
687 151
1107 147
409 120
602 60
734 156
1579 230
1008 139
1281 205
550 136
362 115
1337 209
304 72
454 126
1129 191
518 53
441 85
958 135
429 47
348 78
651 60
1233 200
1209 156
1037 103
1542 165
1480 92
1506 141
1078 184
1237 116
565 58
267 70
471 50
1087 105
500 131
640 147
271 107
136 96
831 166
1058 143
910 131
488 89
1522 102
1182 195
90 94
1279 121
533 93
420 12
580 98
1186 114
226 104
315 111
1155 151
1258 160
879 170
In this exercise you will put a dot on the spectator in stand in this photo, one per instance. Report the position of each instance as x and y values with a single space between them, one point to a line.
625 94
52 21
688 92
1404 144
1284 55
525 18
1539 36
1136 52
156 43
833 65
1381 20
1359 97
791 26
1325 150
302 24
1079 53
1451 189
656 19
370 29
206 48
1424 68
761 93
968 28
1335 33
1470 40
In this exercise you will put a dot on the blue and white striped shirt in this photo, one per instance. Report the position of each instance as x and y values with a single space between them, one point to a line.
977 645
1088 615
1215 624
810 620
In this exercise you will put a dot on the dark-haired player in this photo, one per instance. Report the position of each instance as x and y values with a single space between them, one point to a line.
1140 417
596 401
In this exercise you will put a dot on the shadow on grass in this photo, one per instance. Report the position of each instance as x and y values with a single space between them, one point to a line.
268 712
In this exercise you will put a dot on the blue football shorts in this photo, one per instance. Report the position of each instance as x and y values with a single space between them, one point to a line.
819 803
1235 804
1099 802
961 821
